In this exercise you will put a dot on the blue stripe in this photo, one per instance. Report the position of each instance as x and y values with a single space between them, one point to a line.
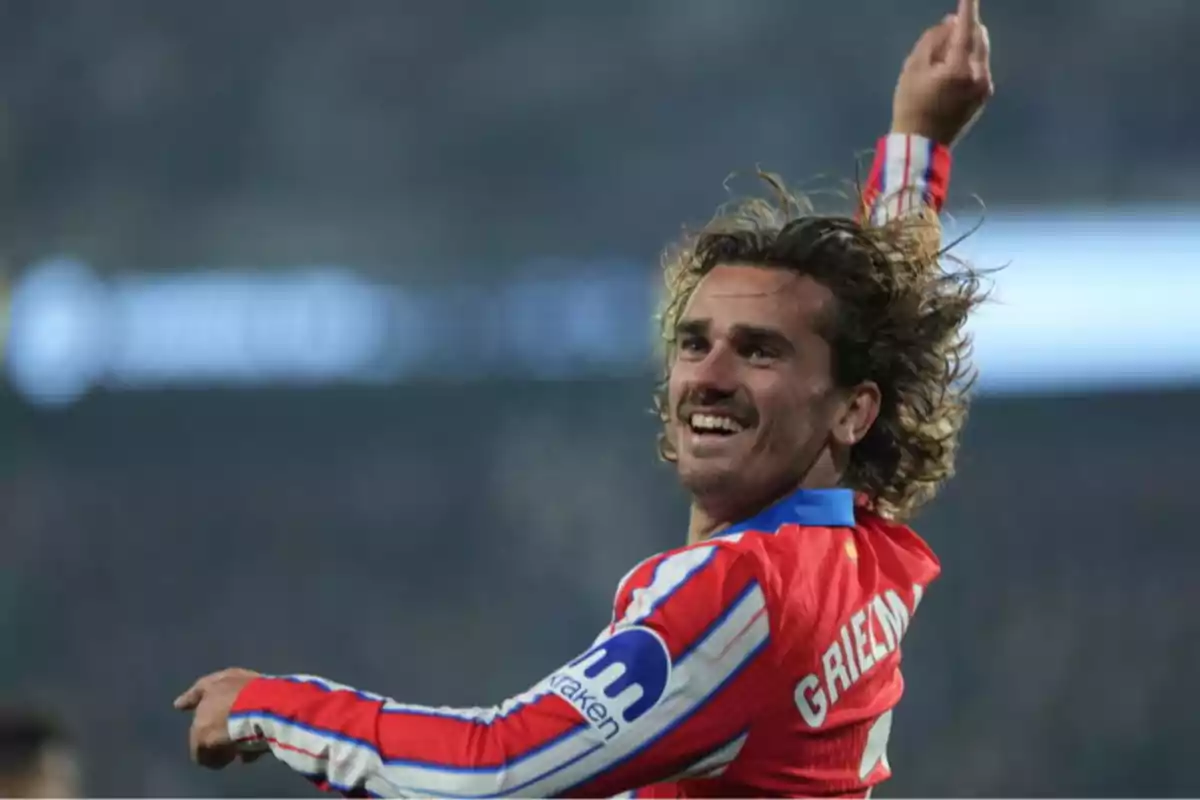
464 716
325 686
667 731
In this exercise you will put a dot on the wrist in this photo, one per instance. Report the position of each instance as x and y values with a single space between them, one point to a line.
909 170
248 715
920 130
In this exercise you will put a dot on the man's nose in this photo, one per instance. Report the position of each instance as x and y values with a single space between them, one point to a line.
718 371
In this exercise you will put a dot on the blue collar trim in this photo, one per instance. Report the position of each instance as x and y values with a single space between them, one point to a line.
817 508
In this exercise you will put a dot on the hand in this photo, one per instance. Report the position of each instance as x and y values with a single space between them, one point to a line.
946 80
211 698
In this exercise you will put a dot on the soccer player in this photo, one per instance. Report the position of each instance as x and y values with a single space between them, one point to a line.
813 398
37 758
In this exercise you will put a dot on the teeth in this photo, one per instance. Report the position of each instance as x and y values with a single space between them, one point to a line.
711 422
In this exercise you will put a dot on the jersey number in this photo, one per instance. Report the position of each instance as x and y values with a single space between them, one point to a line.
875 750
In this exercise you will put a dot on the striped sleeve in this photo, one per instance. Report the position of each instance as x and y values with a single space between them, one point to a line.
666 691
909 173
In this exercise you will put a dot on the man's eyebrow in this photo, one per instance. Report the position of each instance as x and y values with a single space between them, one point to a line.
757 333
742 332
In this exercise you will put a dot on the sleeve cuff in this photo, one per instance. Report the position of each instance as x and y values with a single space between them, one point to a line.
909 173
250 715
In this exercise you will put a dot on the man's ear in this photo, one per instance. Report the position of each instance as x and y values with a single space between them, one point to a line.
856 413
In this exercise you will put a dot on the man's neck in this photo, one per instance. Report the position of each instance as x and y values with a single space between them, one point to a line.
709 517
701 526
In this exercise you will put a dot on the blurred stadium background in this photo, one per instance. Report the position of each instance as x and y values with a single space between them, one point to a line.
328 350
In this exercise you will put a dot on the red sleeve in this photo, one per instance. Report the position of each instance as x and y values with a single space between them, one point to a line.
668 690
908 172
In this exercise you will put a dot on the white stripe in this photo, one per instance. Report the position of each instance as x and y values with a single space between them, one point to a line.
669 574
893 170
624 580
343 762
901 190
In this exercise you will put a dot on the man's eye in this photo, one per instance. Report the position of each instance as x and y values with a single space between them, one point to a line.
692 344
758 354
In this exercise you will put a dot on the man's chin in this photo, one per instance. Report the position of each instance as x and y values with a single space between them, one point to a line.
702 476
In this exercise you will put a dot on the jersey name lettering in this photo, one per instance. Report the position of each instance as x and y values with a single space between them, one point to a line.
872 633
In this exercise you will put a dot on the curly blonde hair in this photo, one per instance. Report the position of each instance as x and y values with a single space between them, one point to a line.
900 307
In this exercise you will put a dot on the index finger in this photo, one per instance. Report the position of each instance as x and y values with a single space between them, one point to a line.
966 19
968 14
191 698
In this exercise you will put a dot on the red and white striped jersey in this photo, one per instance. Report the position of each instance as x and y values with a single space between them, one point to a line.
763 661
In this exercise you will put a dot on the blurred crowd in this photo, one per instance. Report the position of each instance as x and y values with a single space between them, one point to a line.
440 138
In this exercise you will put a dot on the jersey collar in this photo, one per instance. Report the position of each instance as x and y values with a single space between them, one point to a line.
815 508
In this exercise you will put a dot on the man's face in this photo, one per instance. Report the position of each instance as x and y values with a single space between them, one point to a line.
750 387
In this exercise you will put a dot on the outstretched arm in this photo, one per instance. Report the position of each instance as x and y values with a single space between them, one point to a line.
668 690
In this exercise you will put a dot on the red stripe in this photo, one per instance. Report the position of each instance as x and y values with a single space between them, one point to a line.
449 742
907 169
938 175
340 712
640 578
295 749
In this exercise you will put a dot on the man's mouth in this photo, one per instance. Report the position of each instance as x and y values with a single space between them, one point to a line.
714 424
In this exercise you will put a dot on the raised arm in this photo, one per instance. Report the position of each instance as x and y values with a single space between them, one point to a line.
942 89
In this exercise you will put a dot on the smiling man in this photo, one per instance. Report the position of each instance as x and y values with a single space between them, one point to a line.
813 397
